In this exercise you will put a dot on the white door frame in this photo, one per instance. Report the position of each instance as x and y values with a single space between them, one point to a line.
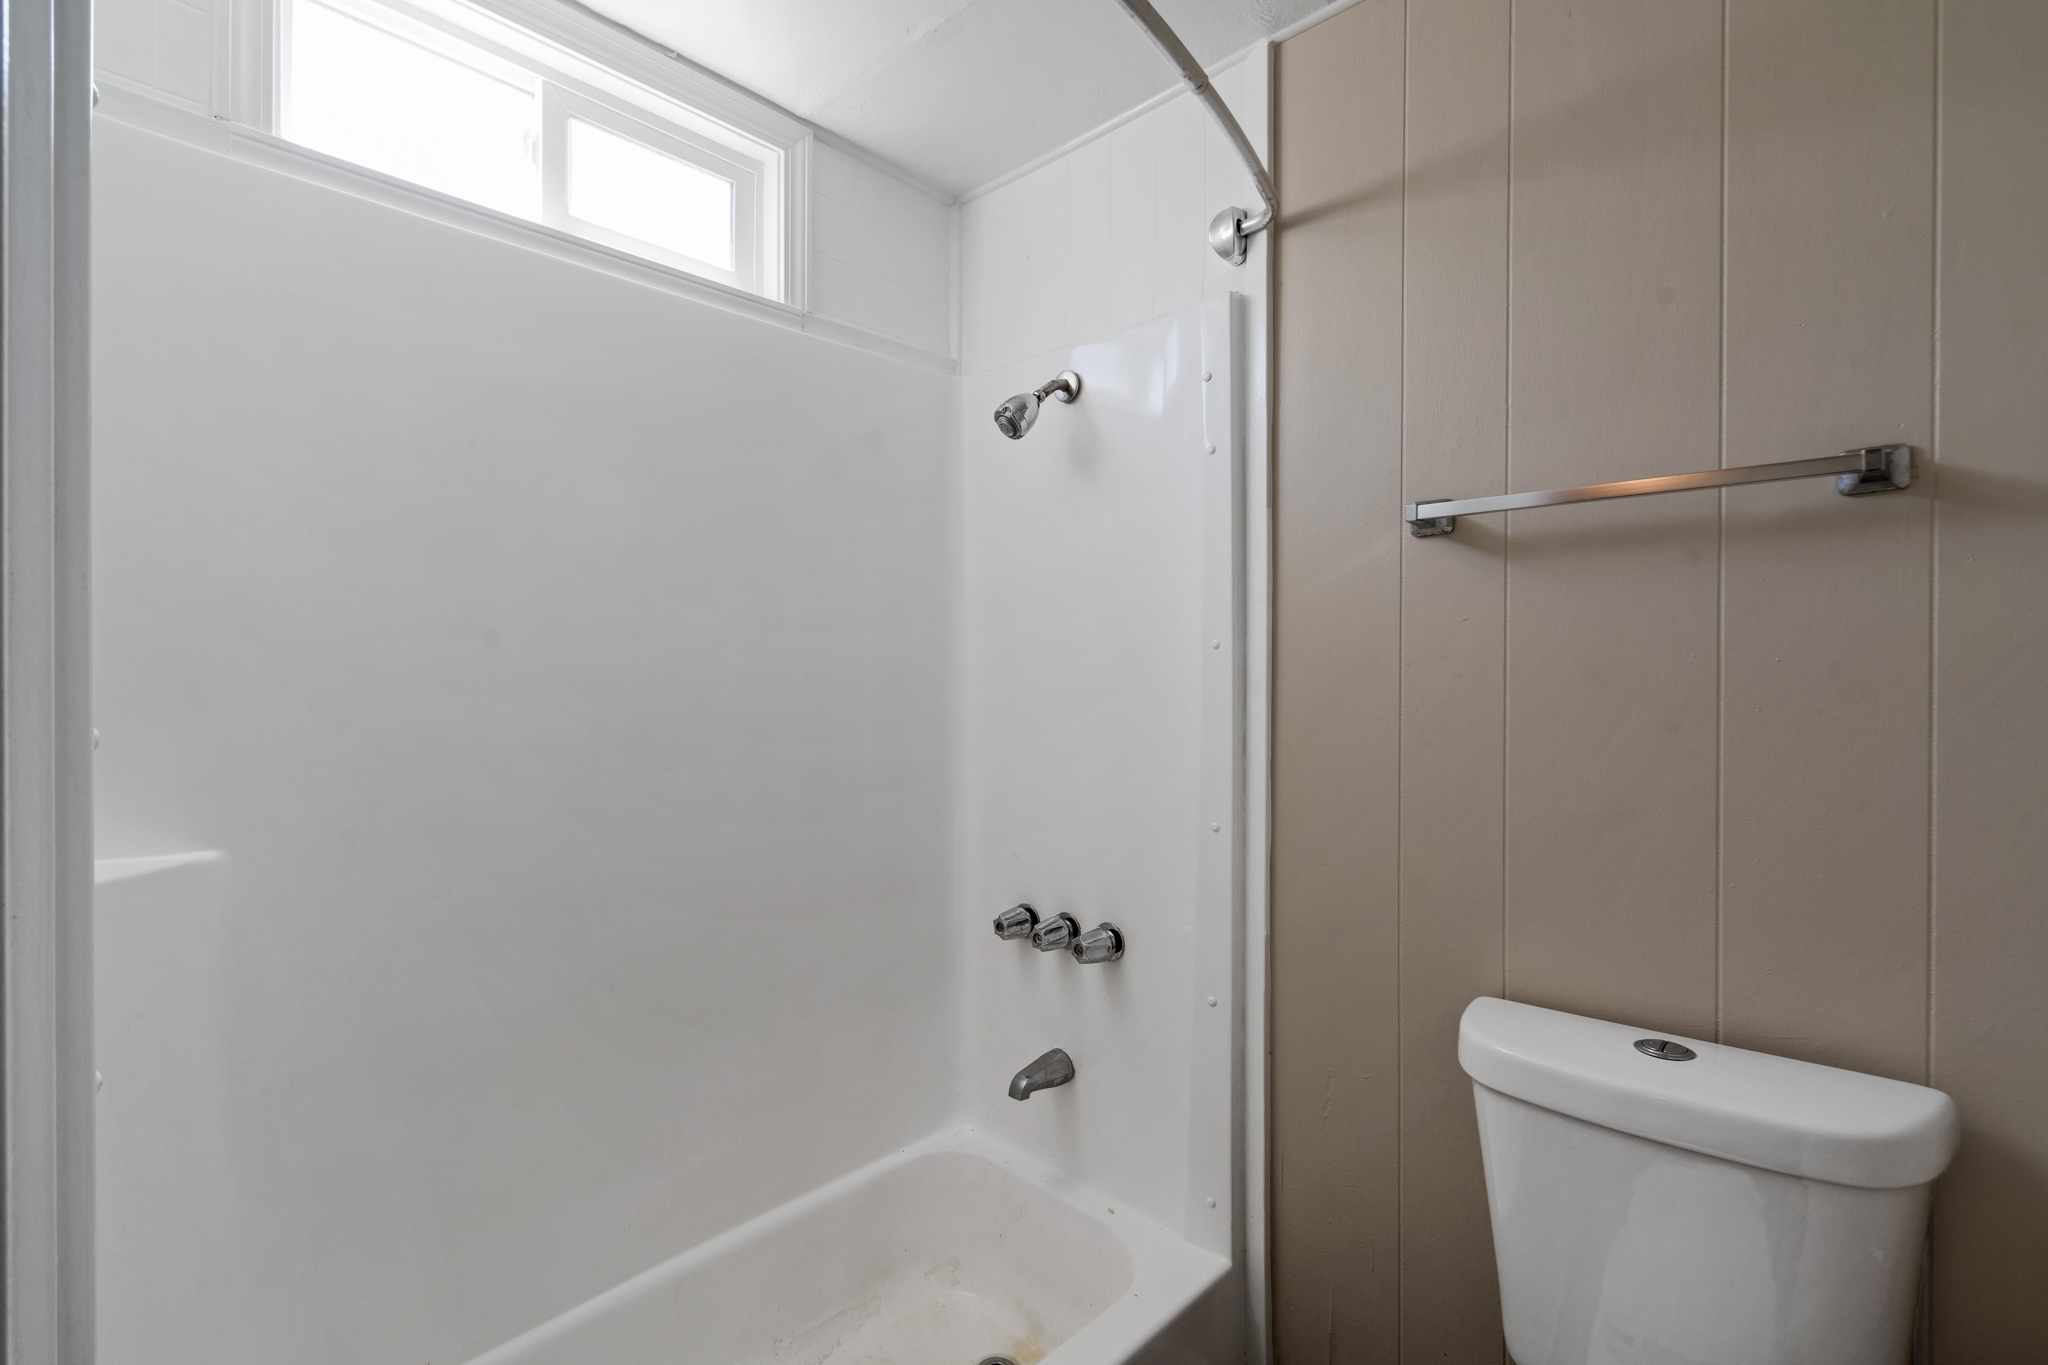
45 688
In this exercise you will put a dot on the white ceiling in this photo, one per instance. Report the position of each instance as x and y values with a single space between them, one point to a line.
953 91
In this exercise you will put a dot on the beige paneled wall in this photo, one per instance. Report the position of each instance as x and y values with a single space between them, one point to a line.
1990 678
1769 766
1336 1142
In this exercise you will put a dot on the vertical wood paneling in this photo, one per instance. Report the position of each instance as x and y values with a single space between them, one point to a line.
1614 349
1453 658
1774 764
1991 741
1336 663
1826 645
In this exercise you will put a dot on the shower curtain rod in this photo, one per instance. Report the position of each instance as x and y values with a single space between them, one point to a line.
1229 231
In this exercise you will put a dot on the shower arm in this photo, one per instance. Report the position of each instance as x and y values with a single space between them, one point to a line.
1230 231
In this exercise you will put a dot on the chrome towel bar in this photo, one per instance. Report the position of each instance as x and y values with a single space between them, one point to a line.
1872 469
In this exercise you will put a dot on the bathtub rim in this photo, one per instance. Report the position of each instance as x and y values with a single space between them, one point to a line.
1169 1275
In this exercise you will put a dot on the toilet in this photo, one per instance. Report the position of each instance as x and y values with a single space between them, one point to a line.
1666 1201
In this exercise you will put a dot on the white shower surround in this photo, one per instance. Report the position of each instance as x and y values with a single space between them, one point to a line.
1076 580
1102 777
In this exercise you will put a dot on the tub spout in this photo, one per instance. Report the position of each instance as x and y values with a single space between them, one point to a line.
1054 1068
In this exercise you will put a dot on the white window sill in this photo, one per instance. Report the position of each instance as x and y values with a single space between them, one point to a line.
145 110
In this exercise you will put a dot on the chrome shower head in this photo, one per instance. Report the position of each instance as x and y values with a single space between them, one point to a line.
1016 415
1019 411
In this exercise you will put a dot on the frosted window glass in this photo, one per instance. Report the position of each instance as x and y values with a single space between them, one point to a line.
372 97
631 188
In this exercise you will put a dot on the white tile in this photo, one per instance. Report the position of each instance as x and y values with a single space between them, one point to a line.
1044 320
835 289
1121 248
1220 276
878 247
1131 241
888 309
931 268
1140 135
1088 246
931 324
1131 183
894 202
833 229
1220 159
834 174
871 193
1180 224
1243 88
1177 165
1088 182
1234 185
1179 117
1087 308
1130 298
124 39
999 205
184 53
930 221
1176 282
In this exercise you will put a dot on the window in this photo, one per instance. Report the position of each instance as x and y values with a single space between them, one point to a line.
459 99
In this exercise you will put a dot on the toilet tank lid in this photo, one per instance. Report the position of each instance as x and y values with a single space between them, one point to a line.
1817 1122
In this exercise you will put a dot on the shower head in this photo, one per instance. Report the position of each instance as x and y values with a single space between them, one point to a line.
1019 411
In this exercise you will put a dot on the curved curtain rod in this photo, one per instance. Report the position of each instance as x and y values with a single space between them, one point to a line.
1230 231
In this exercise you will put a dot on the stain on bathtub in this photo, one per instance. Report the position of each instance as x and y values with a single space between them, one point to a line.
1033 1345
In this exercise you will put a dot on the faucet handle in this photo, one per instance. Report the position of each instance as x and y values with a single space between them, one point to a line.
1053 934
1103 943
1016 922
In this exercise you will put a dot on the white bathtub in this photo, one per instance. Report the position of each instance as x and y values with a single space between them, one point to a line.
944 1253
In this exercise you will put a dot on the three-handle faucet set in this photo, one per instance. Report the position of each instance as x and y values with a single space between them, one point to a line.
1103 943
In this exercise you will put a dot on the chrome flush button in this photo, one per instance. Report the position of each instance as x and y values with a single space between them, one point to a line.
1664 1050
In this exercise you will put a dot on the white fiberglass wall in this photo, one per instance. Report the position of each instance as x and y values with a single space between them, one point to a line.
1094 632
618 719
562 667
1102 772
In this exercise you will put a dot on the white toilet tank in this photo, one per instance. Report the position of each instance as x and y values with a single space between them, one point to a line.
1727 1208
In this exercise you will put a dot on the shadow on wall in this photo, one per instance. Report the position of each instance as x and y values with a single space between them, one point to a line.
1558 130
1998 1191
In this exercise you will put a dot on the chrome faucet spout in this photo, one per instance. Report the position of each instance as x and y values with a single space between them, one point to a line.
1054 1068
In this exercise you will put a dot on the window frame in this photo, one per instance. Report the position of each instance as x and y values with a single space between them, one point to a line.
581 62
399 22
558 105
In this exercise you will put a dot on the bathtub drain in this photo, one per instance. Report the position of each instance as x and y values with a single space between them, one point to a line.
997 1360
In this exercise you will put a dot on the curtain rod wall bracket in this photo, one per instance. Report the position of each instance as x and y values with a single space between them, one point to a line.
1230 232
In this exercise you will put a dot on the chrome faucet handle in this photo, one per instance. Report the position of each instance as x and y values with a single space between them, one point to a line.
1103 943
1053 934
1016 922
